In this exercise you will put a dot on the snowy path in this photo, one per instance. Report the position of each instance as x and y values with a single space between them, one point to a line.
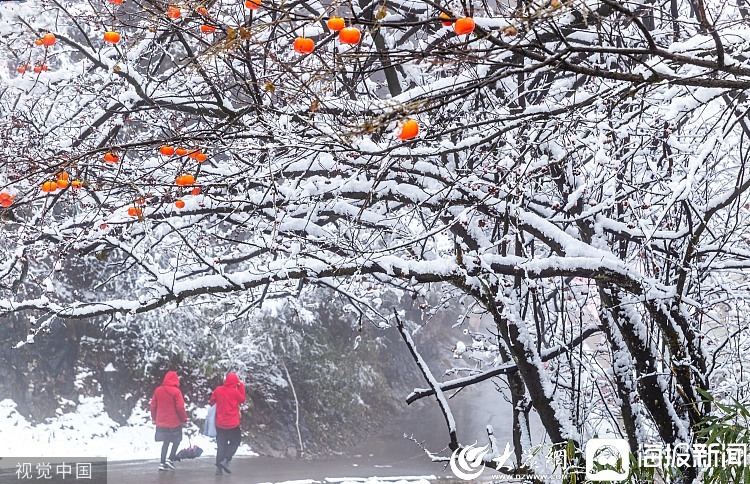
255 470
388 455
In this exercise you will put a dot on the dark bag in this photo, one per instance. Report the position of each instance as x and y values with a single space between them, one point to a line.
190 453
164 434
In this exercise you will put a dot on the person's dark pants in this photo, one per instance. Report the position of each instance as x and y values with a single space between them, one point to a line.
165 447
227 441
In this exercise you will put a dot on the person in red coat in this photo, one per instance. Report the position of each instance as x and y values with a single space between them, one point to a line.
227 398
168 413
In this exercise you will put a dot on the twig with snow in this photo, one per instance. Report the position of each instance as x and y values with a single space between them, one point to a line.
434 385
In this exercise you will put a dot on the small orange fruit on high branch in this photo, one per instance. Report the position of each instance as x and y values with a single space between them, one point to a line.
116 2
195 191
49 39
62 180
350 35
181 151
252 4
185 180
203 11
135 211
111 37
409 130
111 157
201 157
208 29
39 42
174 12
446 19
335 23
6 199
464 25
166 150
76 184
49 186
303 45
179 204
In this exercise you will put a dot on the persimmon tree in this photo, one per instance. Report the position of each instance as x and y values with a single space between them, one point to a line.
573 171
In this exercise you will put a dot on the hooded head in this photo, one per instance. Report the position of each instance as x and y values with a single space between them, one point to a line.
171 379
231 380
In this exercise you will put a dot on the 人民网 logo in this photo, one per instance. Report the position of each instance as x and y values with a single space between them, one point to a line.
607 460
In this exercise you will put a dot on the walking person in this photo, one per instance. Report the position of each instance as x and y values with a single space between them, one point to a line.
227 398
168 413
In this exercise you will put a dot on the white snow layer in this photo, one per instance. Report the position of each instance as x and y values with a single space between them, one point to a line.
88 432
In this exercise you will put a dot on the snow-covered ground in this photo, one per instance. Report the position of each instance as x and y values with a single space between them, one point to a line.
369 480
88 432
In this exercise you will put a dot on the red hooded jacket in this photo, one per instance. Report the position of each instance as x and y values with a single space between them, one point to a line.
167 405
228 398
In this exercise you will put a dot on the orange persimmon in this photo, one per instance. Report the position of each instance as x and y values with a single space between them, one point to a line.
409 130
350 35
49 39
166 150
111 157
335 23
464 25
6 199
62 180
185 180
111 37
303 45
